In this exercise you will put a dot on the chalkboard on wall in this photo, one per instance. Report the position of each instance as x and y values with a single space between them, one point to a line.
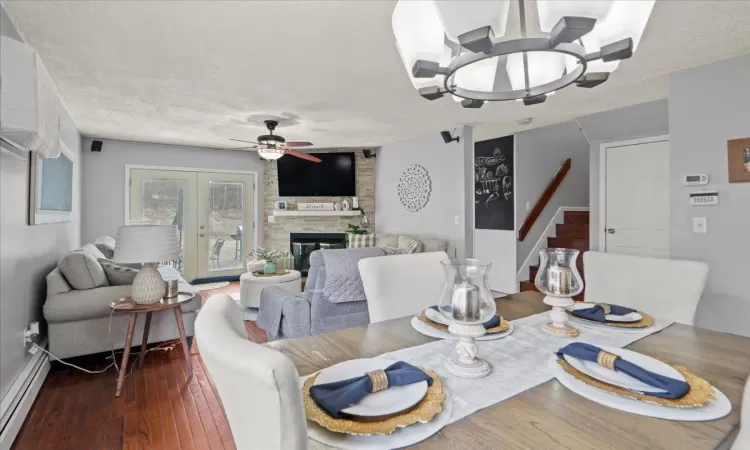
494 184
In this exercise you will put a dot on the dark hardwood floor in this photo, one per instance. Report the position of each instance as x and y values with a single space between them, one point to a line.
160 407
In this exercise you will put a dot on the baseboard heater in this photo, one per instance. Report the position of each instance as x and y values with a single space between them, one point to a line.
17 402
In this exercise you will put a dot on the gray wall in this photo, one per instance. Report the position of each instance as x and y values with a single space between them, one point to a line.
445 164
709 105
28 252
632 122
539 155
103 198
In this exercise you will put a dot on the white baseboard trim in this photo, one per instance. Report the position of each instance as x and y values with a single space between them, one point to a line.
549 231
17 402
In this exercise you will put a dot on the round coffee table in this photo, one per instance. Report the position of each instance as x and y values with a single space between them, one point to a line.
251 285
127 306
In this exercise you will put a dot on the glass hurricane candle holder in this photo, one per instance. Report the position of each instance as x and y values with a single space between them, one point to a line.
559 280
467 303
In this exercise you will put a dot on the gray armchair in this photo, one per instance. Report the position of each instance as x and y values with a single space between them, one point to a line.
284 315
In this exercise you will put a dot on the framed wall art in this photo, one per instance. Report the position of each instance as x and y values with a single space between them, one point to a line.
738 153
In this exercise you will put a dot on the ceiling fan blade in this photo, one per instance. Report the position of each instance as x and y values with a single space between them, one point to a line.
292 152
242 149
240 140
298 144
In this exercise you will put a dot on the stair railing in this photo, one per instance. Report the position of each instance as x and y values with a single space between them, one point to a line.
536 211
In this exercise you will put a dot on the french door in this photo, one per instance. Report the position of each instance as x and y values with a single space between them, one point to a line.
213 211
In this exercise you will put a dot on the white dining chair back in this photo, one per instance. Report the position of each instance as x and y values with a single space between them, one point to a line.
402 285
258 386
742 441
665 288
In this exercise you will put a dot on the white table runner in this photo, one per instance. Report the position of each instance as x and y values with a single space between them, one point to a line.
519 361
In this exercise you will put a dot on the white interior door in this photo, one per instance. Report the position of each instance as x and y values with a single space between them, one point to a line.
226 227
637 199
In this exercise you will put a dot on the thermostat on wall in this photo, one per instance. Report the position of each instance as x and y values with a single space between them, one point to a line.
704 198
695 179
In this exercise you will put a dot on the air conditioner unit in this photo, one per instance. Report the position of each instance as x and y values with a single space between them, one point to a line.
29 103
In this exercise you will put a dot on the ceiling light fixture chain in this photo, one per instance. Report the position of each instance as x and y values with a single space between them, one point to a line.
461 48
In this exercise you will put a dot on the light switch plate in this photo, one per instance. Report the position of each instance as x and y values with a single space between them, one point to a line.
458 220
699 225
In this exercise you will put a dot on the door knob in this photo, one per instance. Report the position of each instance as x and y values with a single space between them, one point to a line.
201 235
203 226
611 230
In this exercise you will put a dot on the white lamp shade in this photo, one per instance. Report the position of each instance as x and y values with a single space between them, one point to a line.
479 76
616 20
146 243
419 35
544 67
551 11
461 16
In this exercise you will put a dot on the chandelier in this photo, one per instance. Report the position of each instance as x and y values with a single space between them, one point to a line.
484 50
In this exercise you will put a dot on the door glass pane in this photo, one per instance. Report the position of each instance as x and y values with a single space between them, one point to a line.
163 203
226 216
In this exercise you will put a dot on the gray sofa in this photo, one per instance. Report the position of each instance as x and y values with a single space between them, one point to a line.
284 315
78 317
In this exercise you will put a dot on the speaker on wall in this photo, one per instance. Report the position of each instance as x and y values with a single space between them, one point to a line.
96 146
369 153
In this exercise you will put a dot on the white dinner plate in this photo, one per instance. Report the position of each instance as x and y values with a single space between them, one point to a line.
389 401
719 407
630 317
440 334
604 328
403 437
594 370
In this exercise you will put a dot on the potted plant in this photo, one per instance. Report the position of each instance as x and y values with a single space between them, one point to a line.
271 257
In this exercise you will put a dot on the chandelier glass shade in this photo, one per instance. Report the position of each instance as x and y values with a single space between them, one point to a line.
496 50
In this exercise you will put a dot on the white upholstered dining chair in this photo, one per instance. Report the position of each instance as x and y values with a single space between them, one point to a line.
258 386
402 285
665 288
742 441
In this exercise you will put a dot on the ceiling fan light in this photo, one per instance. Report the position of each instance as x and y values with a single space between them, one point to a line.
270 152
419 36
463 16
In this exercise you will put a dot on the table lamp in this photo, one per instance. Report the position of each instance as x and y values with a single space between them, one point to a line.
149 245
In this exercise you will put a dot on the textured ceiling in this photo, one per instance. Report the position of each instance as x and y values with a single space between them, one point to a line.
200 72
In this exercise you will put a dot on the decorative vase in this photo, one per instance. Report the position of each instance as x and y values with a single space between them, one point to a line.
337 206
559 280
345 205
467 303
270 268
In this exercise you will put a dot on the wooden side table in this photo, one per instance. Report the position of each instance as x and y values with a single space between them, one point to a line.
128 306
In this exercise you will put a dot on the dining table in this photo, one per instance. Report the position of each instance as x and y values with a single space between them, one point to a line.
549 416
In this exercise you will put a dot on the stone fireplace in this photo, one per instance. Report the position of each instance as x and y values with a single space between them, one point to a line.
302 244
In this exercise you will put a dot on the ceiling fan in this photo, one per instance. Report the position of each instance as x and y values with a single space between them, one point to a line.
272 146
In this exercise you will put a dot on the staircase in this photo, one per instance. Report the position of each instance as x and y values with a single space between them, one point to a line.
572 233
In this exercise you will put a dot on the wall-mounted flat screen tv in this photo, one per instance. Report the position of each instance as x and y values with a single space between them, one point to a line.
334 176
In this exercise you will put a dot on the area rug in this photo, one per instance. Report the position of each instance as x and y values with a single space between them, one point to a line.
209 286
247 313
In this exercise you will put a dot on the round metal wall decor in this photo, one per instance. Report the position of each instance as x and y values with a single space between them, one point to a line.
414 188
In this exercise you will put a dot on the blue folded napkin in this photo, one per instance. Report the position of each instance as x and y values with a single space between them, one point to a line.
333 397
588 352
492 323
597 313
